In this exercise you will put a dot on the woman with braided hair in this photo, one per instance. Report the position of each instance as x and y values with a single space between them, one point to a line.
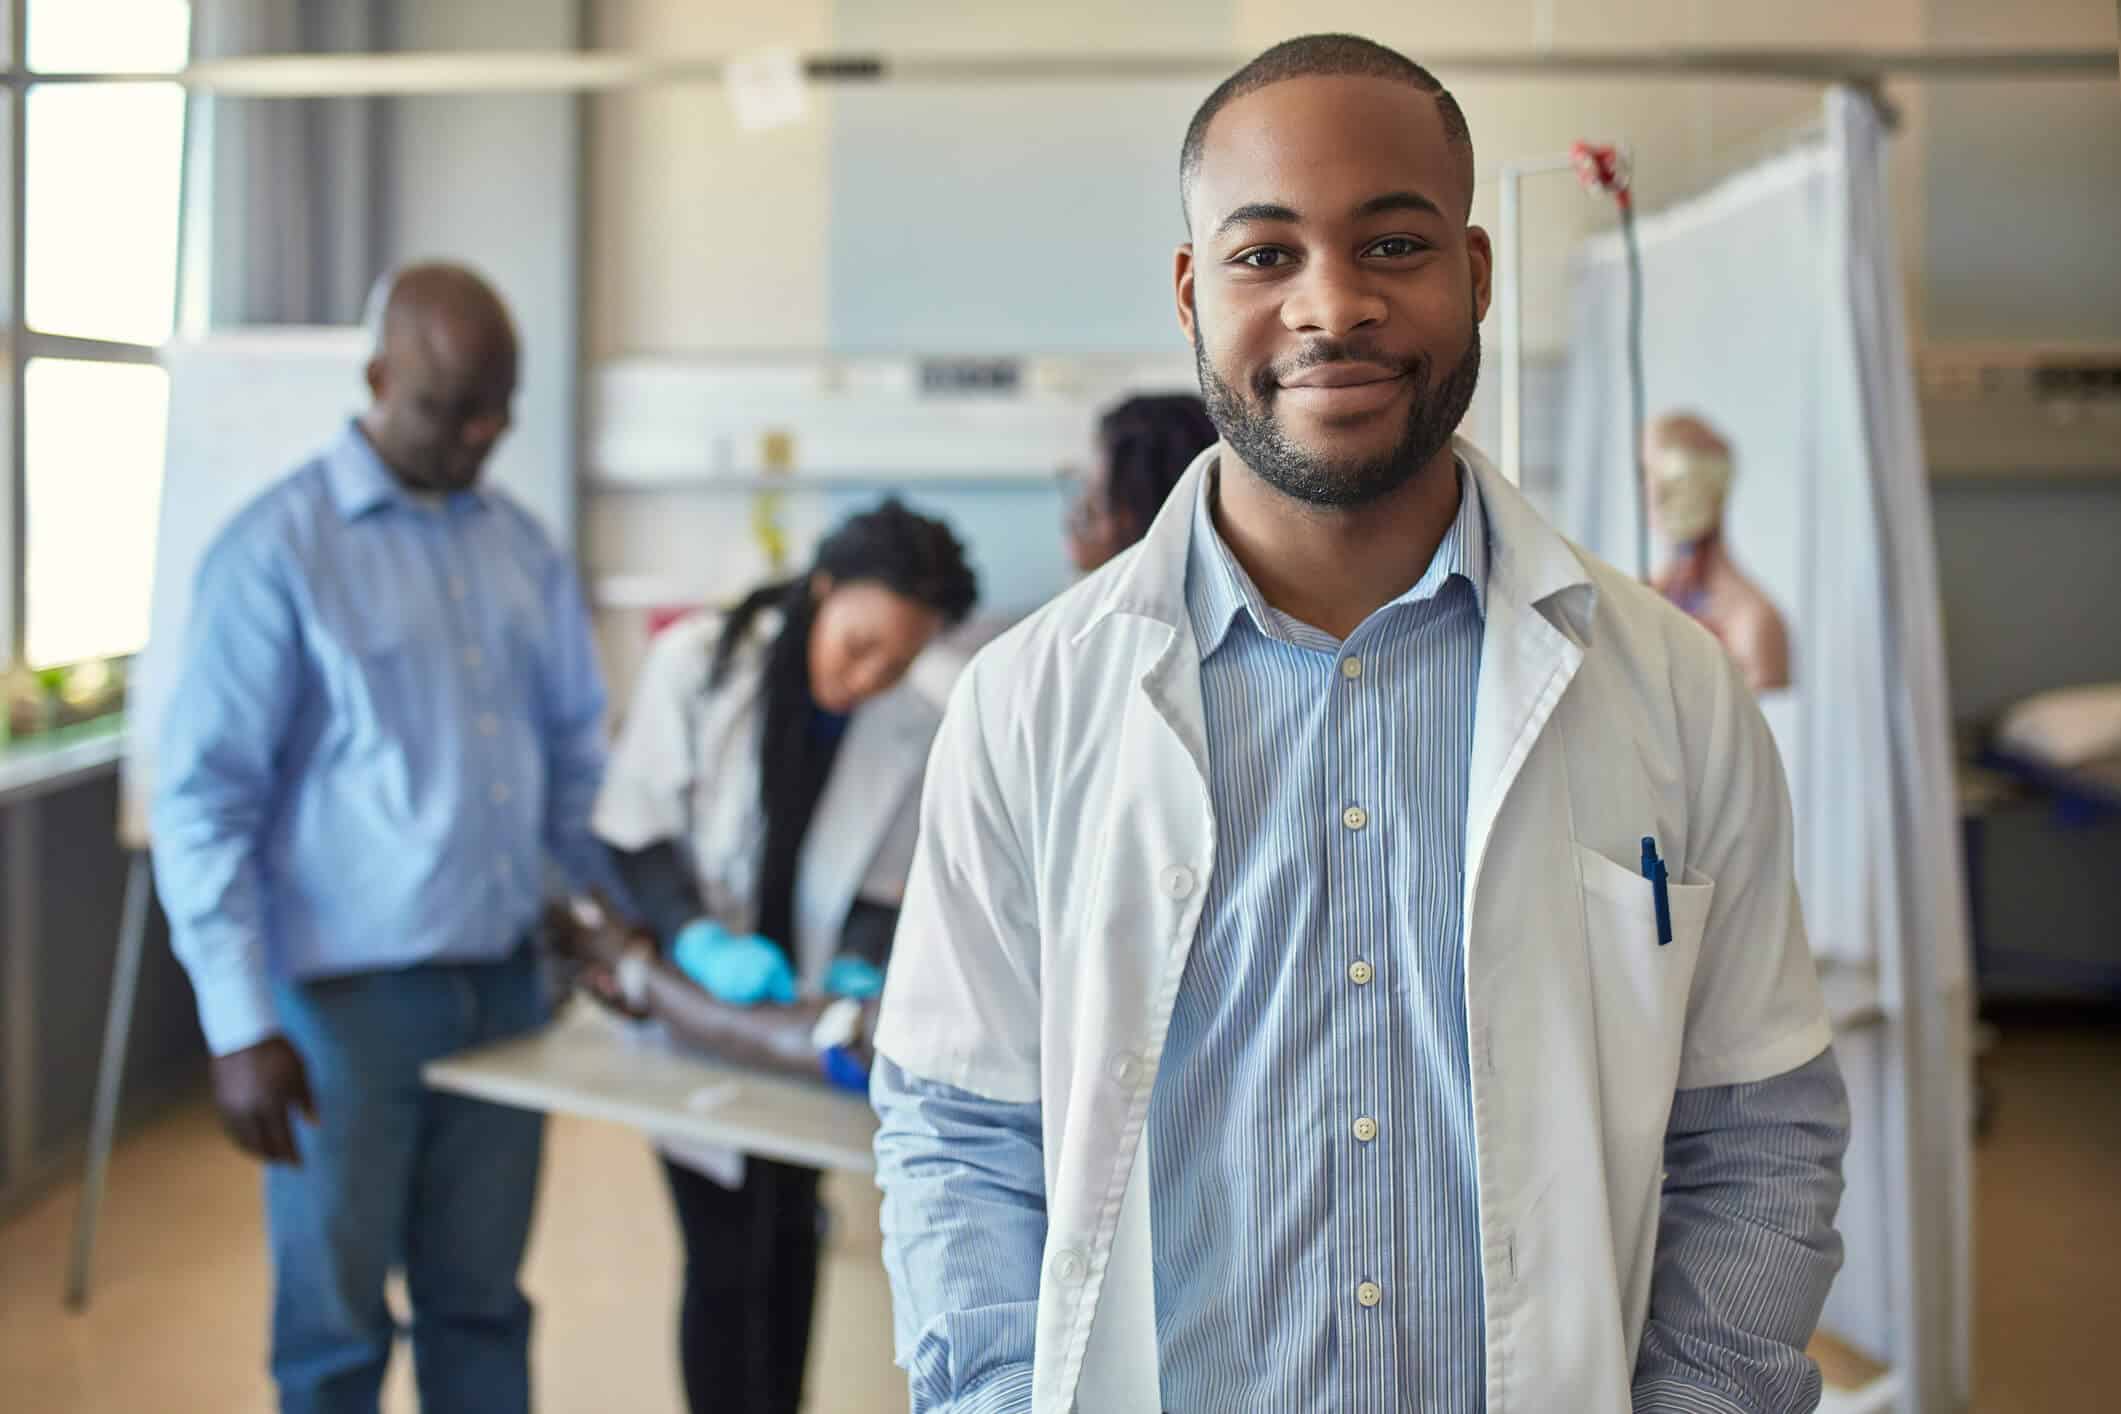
761 805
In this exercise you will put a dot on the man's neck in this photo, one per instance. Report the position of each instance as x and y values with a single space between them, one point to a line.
1328 567
432 494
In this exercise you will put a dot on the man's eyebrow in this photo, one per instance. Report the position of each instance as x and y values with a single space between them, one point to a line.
1257 211
1398 201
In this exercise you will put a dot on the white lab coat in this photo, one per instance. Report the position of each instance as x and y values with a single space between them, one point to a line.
686 767
1068 840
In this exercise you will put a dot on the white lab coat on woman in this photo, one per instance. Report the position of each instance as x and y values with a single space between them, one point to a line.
1068 841
686 767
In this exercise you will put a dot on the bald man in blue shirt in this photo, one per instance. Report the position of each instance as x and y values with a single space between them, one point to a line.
388 720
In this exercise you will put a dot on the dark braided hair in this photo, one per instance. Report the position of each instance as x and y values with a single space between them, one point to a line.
1149 441
911 555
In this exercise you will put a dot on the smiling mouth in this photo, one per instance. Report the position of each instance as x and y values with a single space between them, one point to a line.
1342 391
1328 377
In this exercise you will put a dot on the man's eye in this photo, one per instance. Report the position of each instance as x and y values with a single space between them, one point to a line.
1264 258
1397 247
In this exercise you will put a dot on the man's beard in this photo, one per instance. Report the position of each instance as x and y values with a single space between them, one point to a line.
1250 428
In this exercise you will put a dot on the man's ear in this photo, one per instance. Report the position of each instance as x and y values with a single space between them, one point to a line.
373 376
1182 275
1480 254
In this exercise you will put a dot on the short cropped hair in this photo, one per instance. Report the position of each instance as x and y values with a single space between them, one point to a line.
1320 55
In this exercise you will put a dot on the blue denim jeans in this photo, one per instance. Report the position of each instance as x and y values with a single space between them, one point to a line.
396 1175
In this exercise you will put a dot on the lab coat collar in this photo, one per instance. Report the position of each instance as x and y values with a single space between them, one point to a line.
1526 559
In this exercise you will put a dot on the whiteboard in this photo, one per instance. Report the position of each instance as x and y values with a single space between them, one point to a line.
246 407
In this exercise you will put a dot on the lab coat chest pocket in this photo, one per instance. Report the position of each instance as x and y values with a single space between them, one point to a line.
1639 991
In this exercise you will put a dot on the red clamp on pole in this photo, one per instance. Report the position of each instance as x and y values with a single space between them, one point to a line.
1601 168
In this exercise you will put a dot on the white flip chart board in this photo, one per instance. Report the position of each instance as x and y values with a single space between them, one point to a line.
246 407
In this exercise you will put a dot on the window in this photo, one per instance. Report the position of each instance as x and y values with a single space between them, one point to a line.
109 36
102 154
100 195
92 454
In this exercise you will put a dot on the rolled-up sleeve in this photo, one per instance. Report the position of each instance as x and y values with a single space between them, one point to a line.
1747 1250
964 1221
1754 1009
961 1003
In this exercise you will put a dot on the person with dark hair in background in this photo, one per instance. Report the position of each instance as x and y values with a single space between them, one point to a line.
389 718
761 806
1144 445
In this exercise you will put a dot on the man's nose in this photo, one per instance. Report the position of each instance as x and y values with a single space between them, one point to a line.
1333 298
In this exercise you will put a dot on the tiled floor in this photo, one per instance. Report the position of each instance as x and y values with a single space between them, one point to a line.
177 1326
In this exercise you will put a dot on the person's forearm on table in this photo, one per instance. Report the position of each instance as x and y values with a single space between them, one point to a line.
765 1036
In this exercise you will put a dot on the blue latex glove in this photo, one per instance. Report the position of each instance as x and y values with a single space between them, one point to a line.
843 1071
740 971
853 977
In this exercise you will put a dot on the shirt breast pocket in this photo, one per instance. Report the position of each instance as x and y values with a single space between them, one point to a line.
1639 987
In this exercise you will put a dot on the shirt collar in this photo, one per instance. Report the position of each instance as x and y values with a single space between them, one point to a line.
1218 590
361 483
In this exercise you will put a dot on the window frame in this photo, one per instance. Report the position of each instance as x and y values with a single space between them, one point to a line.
23 343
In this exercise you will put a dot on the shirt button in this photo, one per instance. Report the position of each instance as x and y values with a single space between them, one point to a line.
1351 668
1355 817
500 793
456 586
1127 1071
1069 1267
472 658
1177 881
1369 1295
1366 1129
1360 973
489 724
505 866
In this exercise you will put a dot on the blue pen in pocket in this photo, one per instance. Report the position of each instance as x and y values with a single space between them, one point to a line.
1654 870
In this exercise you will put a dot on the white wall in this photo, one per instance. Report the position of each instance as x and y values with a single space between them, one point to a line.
494 181
2024 183
1039 219
703 238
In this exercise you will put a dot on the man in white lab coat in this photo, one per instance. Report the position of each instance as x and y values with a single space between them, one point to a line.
1352 961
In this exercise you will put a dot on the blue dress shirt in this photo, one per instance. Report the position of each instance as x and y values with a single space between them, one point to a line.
388 717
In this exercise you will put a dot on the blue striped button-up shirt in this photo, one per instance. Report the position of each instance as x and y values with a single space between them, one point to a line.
389 714
1311 1145
1311 1129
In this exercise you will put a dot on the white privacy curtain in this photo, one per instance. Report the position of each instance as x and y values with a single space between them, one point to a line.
1773 309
